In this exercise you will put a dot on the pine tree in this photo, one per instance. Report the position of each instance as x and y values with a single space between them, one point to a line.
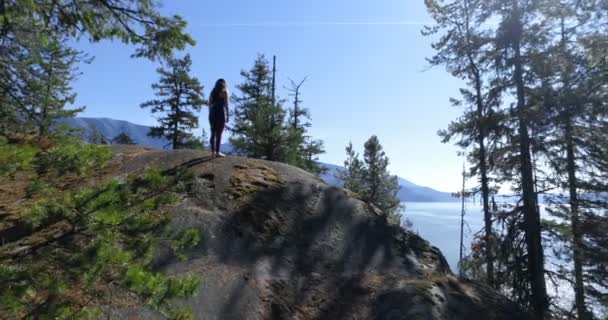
594 222
135 22
258 129
513 29
566 111
569 98
381 187
97 137
45 75
595 218
179 97
546 56
371 179
32 46
309 152
123 138
352 175
462 50
264 129
205 139
519 36
302 150
298 115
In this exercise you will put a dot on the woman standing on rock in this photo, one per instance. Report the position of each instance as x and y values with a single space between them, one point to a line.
218 115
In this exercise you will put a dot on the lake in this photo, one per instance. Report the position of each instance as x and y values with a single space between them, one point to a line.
439 223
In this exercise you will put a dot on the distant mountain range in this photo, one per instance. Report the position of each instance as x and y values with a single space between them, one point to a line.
409 192
110 128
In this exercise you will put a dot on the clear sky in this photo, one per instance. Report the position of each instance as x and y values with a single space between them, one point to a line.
365 59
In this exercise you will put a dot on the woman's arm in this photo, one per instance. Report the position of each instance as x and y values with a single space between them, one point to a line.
226 109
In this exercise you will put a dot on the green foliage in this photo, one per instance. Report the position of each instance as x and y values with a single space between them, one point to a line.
371 179
37 65
96 137
302 150
261 127
179 97
352 176
133 22
258 128
123 138
38 186
534 118
103 236
196 143
462 49
73 156
185 239
15 158
381 187
46 74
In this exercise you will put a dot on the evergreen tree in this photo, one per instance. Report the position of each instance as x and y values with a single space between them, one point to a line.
302 150
32 50
548 57
179 97
518 21
135 22
264 129
96 137
352 175
309 151
258 129
569 98
205 139
371 179
381 187
45 72
519 36
461 49
123 138
199 143
298 115
594 219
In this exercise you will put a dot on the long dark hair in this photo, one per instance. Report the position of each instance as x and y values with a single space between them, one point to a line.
220 91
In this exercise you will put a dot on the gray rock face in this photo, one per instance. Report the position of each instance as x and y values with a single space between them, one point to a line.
277 243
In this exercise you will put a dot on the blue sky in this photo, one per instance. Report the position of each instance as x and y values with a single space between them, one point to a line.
365 60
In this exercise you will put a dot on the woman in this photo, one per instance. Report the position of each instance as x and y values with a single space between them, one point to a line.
218 115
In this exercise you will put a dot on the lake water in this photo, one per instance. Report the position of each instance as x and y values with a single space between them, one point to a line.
439 223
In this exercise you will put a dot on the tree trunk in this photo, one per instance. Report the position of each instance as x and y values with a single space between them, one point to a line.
461 253
485 188
579 286
487 214
175 128
534 247
274 79
577 241
176 115
483 164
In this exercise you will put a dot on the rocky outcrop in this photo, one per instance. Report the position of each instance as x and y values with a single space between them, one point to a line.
278 243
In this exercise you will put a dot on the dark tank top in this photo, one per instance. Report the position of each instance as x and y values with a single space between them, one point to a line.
217 109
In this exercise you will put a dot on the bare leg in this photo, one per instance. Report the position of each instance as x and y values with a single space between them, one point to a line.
218 138
212 141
